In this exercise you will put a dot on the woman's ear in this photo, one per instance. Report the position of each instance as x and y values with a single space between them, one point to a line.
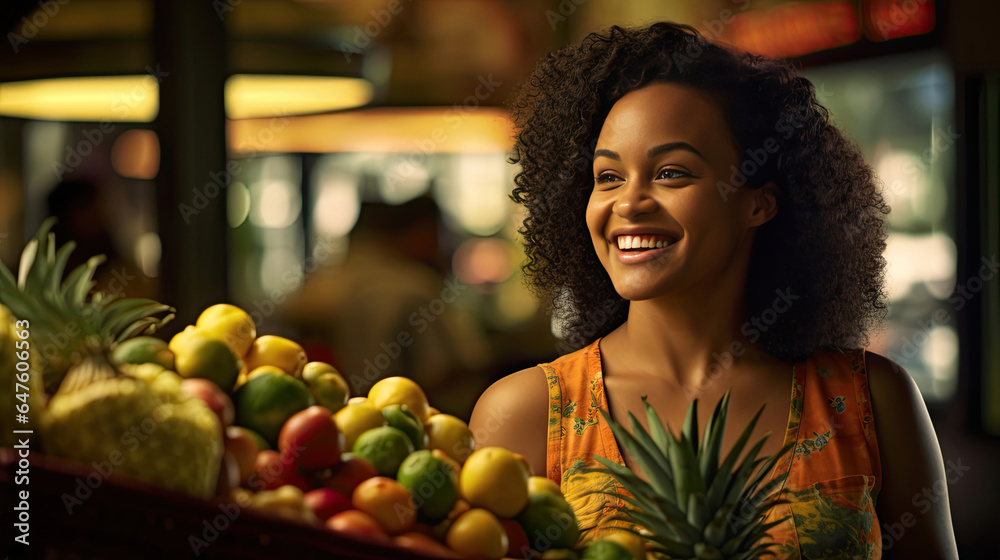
765 204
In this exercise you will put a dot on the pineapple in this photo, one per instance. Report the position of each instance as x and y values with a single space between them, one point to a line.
693 506
134 418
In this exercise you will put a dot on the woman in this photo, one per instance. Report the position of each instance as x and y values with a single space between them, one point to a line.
699 226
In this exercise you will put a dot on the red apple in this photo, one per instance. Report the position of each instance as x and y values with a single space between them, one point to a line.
213 396
244 450
517 540
351 471
272 471
359 525
326 502
311 439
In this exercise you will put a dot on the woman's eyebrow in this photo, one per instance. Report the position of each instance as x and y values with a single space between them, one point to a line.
654 151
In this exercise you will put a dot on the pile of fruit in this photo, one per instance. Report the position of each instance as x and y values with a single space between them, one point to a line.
386 467
219 412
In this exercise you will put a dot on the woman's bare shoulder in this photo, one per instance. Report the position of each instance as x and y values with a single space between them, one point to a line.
513 413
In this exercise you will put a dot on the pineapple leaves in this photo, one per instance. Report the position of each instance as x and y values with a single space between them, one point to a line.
693 505
90 323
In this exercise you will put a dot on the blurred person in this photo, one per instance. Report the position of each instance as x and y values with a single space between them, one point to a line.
83 218
699 226
389 309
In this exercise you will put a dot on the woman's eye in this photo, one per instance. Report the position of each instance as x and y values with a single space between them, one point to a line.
606 178
666 174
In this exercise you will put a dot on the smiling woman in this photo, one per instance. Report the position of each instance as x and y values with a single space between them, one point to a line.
681 186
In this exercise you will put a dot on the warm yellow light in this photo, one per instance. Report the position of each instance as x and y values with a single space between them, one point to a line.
136 98
252 96
417 131
104 98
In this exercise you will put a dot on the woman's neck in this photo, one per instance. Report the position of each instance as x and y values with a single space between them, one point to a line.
688 339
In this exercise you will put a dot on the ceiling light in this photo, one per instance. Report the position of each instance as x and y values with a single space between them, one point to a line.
252 96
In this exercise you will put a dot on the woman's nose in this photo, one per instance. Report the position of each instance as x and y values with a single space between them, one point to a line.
633 199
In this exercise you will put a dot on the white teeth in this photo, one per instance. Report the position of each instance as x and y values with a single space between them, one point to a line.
640 242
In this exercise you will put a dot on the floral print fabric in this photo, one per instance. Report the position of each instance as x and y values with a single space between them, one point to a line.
833 470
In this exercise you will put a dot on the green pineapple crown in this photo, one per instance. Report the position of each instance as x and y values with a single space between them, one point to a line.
69 322
692 506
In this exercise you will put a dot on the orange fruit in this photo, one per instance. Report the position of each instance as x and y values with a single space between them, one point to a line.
387 501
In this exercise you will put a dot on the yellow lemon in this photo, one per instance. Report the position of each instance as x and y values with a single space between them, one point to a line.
400 390
496 479
543 485
450 435
269 350
231 325
356 419
477 533
632 542
197 354
265 369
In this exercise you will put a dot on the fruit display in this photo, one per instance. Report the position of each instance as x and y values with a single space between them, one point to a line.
246 421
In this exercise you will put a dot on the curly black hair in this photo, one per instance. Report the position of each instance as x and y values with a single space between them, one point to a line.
824 245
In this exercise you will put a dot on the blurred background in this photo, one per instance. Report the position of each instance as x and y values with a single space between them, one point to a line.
338 169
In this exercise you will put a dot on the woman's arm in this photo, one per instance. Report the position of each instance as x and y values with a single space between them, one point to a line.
913 508
513 413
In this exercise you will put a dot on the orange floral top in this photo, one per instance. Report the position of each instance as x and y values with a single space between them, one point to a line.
833 471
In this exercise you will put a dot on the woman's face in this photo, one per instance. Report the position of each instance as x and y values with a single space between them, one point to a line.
662 216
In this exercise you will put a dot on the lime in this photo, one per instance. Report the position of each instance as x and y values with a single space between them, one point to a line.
264 402
400 417
432 482
144 350
384 447
550 515
606 550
